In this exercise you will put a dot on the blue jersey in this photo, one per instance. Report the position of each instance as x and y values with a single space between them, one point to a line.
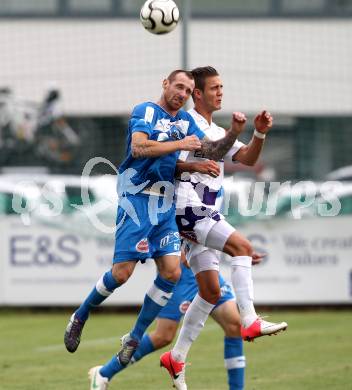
159 125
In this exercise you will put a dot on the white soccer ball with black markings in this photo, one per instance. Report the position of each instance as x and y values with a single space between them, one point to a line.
159 16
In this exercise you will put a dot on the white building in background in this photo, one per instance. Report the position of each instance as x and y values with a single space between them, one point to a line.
105 67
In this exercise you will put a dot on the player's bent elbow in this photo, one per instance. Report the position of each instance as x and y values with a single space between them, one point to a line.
135 152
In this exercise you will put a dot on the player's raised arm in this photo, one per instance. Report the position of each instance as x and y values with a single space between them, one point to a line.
248 154
215 150
143 147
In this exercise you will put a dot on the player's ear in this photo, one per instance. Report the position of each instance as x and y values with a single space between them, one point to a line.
197 93
166 83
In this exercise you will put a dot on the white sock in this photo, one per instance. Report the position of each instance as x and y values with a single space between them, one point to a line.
242 283
194 321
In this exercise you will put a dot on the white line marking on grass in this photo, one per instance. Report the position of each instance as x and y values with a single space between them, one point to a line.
92 343
86 343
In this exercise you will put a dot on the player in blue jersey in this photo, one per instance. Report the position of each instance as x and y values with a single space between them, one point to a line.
225 313
146 226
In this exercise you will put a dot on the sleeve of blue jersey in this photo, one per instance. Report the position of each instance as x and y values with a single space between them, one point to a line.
193 128
138 122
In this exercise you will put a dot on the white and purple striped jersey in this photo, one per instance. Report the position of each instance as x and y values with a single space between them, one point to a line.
198 189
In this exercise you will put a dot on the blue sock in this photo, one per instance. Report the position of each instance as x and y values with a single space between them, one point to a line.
145 348
155 299
113 367
104 287
235 362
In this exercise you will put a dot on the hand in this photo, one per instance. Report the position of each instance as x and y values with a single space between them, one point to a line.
257 257
208 167
190 143
238 122
263 122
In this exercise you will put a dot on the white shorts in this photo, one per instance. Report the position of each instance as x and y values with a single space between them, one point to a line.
203 257
195 224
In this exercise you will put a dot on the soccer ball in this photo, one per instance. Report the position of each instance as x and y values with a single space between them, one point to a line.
159 16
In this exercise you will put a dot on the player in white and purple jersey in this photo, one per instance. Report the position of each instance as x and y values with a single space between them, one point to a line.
146 226
199 221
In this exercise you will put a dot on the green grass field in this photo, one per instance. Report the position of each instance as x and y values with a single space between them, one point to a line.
314 353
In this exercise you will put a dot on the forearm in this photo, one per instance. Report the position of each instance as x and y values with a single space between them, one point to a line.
182 167
250 154
216 150
150 149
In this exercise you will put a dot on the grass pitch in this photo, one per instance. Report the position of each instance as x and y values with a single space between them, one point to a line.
314 353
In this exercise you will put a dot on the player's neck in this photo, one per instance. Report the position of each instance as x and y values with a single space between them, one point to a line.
208 116
163 104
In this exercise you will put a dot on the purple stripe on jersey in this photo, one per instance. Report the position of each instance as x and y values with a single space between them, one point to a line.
205 194
187 218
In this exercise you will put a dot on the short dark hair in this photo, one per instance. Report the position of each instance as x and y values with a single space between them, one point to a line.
201 74
171 77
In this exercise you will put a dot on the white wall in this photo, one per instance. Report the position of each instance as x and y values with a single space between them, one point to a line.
308 262
106 67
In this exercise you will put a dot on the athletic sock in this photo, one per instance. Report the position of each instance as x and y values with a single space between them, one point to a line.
194 321
113 366
145 348
104 288
242 282
155 299
235 362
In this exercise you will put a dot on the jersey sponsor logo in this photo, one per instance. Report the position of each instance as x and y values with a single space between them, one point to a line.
142 246
184 306
165 125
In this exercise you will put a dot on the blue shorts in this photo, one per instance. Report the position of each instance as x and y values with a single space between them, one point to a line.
184 293
142 233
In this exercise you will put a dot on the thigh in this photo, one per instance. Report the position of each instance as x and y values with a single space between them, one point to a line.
201 258
219 235
132 236
194 223
165 238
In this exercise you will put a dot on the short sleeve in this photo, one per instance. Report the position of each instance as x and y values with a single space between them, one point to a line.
234 149
141 119
193 128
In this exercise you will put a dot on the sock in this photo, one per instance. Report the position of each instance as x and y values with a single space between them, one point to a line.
145 348
155 299
194 321
235 362
105 286
242 282
114 366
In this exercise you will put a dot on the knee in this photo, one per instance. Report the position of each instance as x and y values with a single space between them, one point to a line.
210 294
121 274
172 275
240 247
